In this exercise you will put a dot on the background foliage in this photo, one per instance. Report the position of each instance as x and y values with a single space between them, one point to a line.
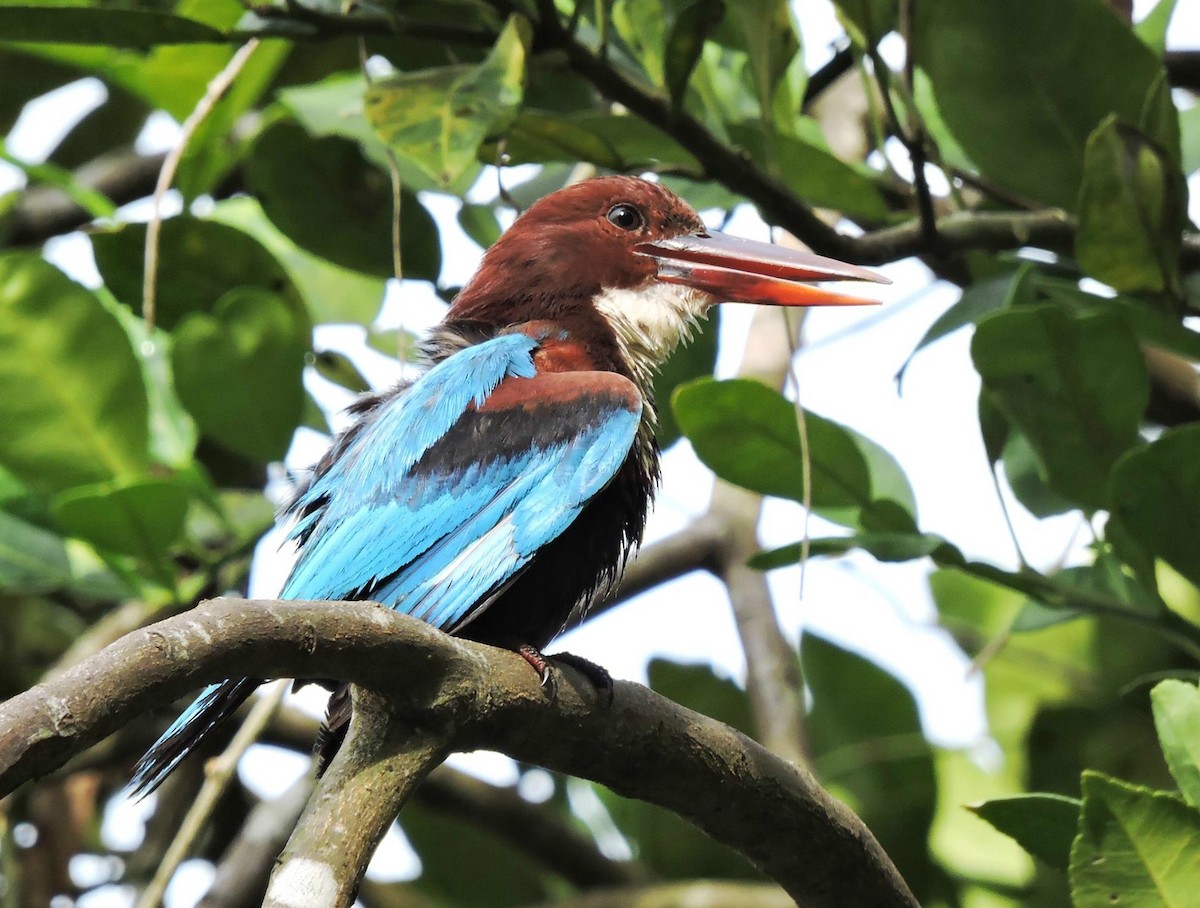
133 457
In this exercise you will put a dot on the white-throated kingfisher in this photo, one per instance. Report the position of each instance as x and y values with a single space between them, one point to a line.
506 486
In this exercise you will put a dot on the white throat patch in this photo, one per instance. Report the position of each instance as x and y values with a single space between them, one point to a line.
651 320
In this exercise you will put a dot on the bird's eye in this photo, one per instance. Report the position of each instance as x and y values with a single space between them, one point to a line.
626 217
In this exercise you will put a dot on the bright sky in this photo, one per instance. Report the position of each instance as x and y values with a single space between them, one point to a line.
846 372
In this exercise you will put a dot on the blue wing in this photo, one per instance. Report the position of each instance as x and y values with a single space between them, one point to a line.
452 487
439 497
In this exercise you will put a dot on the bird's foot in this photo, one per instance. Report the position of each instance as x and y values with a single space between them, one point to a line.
544 665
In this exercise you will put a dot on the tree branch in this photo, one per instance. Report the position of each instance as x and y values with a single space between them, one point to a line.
689 894
540 833
451 694
43 212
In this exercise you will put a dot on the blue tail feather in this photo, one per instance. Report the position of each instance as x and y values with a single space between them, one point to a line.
216 704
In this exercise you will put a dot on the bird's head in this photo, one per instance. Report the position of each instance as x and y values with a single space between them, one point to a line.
636 256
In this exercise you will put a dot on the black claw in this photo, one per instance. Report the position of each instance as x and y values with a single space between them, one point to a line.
544 665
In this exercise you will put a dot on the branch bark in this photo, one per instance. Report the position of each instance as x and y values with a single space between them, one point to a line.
447 694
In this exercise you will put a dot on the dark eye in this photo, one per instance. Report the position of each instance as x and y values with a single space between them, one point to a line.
626 217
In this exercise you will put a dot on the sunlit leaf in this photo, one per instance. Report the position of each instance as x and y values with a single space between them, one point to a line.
437 119
331 293
1177 718
1141 844
72 404
142 517
746 433
1130 212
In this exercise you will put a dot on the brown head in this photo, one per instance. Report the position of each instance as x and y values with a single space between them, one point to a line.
634 255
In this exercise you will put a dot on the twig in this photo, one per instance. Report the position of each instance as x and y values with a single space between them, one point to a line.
530 828
773 682
216 88
685 894
462 696
245 868
218 774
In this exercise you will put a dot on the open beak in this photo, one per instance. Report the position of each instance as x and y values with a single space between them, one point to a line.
738 270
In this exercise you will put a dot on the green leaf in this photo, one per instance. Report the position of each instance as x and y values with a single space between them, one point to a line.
238 372
696 359
95 203
1177 718
1141 846
1189 139
142 518
698 687
1151 324
198 262
306 184
978 300
993 428
884 546
133 28
503 875
216 146
767 32
32 560
746 433
689 31
72 404
1156 496
868 20
1042 824
337 368
814 173
1023 84
479 222
1153 27
1026 476
1130 212
331 293
1076 387
875 759
436 119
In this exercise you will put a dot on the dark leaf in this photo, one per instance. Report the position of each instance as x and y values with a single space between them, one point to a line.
1156 496
307 185
238 372
1008 76
133 28
1042 824
199 262
1076 387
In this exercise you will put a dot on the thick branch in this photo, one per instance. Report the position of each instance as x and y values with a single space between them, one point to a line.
458 695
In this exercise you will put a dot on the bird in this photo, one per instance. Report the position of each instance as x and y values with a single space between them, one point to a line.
505 488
